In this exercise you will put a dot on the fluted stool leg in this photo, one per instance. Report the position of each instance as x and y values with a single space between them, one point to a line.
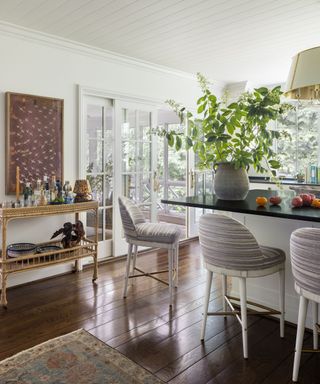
315 309
206 304
127 270
244 323
303 306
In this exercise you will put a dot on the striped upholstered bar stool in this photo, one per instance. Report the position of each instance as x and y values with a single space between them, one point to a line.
138 232
230 249
305 262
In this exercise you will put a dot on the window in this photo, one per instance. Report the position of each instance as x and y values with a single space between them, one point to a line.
300 154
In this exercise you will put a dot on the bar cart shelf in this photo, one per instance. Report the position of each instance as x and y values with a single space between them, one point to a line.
85 248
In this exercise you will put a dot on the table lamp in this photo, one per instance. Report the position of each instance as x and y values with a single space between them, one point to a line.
82 190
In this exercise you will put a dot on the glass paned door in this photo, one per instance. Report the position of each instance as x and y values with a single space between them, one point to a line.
171 173
135 148
98 166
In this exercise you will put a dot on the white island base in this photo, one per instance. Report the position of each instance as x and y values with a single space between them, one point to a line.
274 232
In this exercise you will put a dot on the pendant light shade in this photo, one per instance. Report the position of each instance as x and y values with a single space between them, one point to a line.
304 76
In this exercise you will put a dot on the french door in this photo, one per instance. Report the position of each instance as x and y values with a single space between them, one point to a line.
135 162
96 165
120 157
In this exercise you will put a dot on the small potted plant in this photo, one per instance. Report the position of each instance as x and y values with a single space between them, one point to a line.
230 138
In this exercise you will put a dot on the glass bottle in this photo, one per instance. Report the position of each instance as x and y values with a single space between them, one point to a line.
67 189
37 192
53 189
27 194
45 187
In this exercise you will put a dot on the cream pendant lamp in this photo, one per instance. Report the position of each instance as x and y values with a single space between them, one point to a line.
304 77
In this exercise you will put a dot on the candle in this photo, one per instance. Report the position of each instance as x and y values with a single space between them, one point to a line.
18 184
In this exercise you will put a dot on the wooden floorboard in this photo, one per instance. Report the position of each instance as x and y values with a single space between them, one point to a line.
164 341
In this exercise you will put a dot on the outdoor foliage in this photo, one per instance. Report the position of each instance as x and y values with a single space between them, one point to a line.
235 133
302 149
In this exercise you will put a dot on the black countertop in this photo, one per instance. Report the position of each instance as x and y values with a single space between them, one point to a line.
249 206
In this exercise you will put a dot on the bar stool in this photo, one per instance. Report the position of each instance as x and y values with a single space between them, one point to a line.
230 249
305 261
138 232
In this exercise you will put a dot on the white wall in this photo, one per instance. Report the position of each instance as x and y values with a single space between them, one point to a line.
41 65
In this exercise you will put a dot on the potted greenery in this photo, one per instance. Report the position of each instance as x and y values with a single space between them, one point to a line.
230 138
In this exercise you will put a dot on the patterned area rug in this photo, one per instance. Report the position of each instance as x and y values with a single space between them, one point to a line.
75 358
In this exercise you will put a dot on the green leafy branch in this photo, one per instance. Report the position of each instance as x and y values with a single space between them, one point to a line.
236 133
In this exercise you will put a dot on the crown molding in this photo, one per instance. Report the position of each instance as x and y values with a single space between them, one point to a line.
20 32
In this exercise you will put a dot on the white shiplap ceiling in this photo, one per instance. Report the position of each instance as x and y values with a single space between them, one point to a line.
228 40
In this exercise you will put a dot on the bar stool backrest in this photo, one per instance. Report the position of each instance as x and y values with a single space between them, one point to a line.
226 243
305 258
131 215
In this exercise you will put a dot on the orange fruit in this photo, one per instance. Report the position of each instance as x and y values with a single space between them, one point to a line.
261 201
315 203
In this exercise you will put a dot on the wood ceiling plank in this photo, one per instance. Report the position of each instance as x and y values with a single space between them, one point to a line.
109 22
184 34
201 34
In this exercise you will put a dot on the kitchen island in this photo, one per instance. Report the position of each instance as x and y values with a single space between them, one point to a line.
272 226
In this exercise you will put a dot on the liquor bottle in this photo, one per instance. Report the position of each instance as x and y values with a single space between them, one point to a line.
43 198
45 187
53 189
37 192
27 194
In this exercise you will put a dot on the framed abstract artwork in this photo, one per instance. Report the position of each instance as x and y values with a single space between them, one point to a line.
34 138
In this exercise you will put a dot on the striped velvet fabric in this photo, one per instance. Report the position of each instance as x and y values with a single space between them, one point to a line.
130 216
135 226
226 243
305 258
158 233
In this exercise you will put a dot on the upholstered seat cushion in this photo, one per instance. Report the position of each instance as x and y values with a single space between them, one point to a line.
157 233
268 258
271 256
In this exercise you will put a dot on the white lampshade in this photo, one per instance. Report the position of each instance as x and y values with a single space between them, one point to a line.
304 76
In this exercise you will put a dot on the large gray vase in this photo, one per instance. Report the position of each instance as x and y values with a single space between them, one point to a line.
230 183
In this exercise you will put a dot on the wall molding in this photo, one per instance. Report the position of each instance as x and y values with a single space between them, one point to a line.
20 32
55 41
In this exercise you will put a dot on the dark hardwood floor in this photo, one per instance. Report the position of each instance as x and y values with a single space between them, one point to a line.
167 343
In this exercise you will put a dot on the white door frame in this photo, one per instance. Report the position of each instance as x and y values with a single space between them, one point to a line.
118 98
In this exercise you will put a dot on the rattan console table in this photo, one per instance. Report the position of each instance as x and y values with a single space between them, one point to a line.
85 248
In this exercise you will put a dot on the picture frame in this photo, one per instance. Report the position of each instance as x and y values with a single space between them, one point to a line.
34 138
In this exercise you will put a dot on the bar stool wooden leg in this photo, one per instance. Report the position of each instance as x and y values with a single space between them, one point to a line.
315 316
303 306
282 300
243 304
224 293
206 303
127 270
